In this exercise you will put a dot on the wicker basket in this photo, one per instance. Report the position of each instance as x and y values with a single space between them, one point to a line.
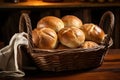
68 59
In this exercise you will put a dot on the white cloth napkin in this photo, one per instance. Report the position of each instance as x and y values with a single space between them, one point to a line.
8 56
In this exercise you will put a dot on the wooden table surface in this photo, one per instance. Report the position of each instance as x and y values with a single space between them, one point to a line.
109 70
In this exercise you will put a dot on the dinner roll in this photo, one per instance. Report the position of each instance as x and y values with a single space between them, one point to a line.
71 37
71 20
35 37
93 32
52 22
89 44
47 38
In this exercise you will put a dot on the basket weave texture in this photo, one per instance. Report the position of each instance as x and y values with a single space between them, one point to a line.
68 59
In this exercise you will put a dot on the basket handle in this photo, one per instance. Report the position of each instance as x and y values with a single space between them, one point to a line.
25 26
107 24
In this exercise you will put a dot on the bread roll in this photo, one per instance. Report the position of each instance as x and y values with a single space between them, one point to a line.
93 32
45 38
52 22
89 44
71 20
71 37
35 37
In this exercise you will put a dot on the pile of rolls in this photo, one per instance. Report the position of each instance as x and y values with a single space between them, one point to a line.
65 33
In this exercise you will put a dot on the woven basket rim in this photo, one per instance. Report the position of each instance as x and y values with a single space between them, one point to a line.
75 50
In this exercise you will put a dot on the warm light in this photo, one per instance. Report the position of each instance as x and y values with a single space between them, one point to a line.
37 3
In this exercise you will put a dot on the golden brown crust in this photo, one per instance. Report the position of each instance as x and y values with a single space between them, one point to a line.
93 32
52 22
89 44
47 38
71 20
35 37
71 37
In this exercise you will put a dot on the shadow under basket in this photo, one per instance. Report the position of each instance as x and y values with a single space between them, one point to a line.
69 59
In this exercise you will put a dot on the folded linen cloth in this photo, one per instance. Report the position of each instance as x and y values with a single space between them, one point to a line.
8 56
